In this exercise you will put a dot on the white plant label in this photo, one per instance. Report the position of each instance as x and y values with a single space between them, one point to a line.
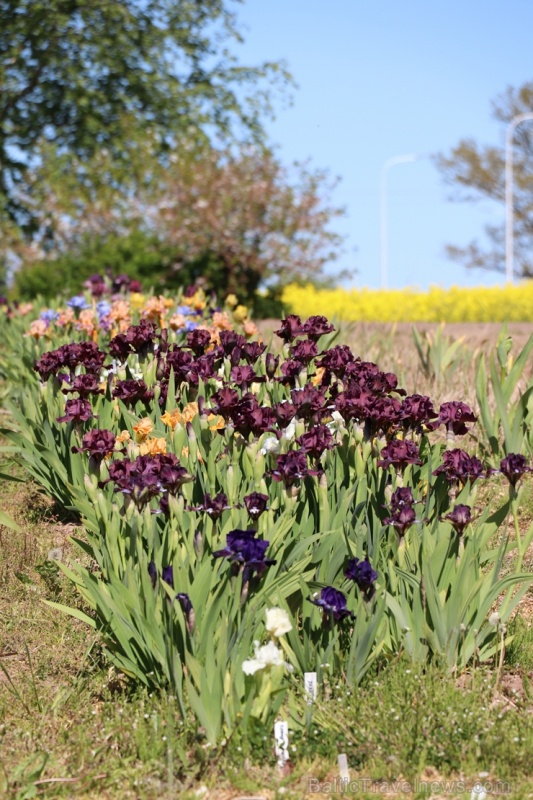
310 685
281 742
344 772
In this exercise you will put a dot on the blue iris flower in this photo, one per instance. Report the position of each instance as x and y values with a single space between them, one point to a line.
78 303
188 327
185 311
333 604
103 308
49 316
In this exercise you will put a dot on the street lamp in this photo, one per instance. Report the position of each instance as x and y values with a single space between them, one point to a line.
509 210
391 162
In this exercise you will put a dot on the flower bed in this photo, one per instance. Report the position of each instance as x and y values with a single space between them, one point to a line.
291 497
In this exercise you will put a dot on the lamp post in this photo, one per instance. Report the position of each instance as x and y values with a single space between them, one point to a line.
509 209
391 162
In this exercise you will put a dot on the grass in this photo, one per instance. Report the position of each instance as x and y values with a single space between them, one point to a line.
72 727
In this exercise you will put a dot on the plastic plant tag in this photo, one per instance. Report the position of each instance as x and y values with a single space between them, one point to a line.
310 685
478 792
344 772
281 746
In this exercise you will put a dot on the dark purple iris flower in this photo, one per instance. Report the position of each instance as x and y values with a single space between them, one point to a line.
120 283
244 376
402 513
385 382
48 364
185 602
454 415
85 385
251 418
147 477
231 341
336 359
163 394
167 574
188 611
355 405
198 341
245 413
137 339
88 355
78 410
316 441
459 466
213 506
317 326
203 368
256 504
514 467
235 541
123 283
309 402
132 391
384 413
180 361
69 356
73 354
260 419
361 372
416 411
251 351
119 473
402 496
172 476
290 371
143 482
401 519
119 347
285 412
460 516
96 284
291 467
243 549
98 443
333 604
362 574
304 351
290 328
398 454
224 401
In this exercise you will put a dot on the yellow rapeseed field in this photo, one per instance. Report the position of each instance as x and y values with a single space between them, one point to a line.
512 303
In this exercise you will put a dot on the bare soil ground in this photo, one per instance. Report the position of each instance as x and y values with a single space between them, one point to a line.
473 334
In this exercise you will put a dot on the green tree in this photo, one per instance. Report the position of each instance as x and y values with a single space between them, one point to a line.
477 172
233 218
96 75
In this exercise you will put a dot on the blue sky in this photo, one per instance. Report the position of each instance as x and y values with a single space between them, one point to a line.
383 78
